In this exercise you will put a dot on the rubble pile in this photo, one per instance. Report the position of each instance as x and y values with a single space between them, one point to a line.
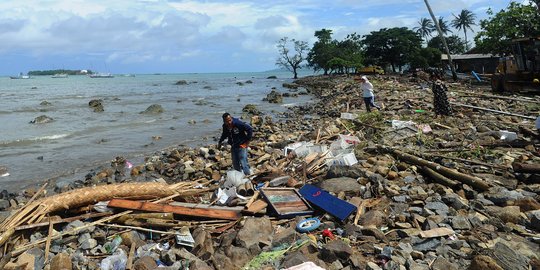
334 187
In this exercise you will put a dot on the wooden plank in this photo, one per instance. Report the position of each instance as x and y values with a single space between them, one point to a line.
131 255
256 206
181 210
48 242
65 220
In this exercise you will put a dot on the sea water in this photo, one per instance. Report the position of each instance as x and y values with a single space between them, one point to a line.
80 139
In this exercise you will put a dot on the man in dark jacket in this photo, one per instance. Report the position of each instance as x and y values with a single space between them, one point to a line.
238 135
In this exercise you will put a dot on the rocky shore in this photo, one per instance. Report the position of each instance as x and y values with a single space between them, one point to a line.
428 192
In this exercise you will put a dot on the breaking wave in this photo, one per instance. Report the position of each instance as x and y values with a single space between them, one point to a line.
26 142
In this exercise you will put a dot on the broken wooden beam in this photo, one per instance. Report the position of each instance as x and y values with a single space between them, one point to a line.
470 180
195 210
493 111
526 167
438 178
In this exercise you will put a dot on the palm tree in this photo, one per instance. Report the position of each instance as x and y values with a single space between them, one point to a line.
464 20
444 26
425 29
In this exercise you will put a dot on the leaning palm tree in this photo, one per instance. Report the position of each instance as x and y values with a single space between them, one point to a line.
464 20
425 28
444 26
437 25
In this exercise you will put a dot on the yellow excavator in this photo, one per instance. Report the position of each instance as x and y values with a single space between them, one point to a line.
521 71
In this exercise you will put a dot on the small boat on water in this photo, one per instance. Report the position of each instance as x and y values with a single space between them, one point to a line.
21 76
101 75
59 75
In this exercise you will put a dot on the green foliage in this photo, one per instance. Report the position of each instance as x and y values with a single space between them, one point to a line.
425 28
445 29
517 21
391 46
55 71
374 118
288 59
322 52
464 20
455 44
425 57
335 56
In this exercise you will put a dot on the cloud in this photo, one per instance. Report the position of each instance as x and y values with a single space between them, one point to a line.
159 32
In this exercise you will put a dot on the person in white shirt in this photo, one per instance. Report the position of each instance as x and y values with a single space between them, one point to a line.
367 93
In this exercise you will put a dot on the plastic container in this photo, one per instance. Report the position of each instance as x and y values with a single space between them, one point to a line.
348 116
110 247
508 135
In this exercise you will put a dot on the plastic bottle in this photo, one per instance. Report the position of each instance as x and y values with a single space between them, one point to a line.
110 247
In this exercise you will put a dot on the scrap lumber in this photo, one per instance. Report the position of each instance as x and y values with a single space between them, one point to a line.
438 178
468 93
470 180
194 211
36 211
526 167
255 207
493 111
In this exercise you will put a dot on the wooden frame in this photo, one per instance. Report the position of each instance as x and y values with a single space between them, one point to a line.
286 202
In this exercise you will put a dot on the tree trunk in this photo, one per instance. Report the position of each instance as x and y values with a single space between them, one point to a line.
441 35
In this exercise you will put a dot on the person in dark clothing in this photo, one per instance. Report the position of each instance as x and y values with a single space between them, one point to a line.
238 135
440 99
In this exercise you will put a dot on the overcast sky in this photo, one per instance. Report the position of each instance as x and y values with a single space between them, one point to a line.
160 36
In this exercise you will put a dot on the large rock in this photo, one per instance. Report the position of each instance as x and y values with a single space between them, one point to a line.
153 109
508 258
482 262
342 184
274 97
256 231
61 261
239 256
354 171
42 119
336 249
251 109
145 263
534 217
204 246
96 104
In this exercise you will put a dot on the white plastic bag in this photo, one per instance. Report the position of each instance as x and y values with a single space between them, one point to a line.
234 179
117 261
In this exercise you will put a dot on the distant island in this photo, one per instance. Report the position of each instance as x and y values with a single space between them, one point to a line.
60 71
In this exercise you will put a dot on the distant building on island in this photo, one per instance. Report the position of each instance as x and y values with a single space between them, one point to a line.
84 71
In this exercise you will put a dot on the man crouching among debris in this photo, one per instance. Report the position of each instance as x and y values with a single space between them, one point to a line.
238 135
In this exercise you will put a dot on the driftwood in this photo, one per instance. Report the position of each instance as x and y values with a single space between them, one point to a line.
493 111
438 178
36 211
478 95
470 180
526 168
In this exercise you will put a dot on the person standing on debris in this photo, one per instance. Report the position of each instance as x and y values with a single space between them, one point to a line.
440 99
367 93
238 135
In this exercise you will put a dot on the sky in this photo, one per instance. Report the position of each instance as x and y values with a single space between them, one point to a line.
166 36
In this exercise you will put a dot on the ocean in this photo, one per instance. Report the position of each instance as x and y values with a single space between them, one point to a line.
80 139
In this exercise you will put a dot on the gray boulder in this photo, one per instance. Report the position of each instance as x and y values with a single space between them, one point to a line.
153 109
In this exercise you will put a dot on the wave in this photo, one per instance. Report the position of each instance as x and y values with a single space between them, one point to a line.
26 142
